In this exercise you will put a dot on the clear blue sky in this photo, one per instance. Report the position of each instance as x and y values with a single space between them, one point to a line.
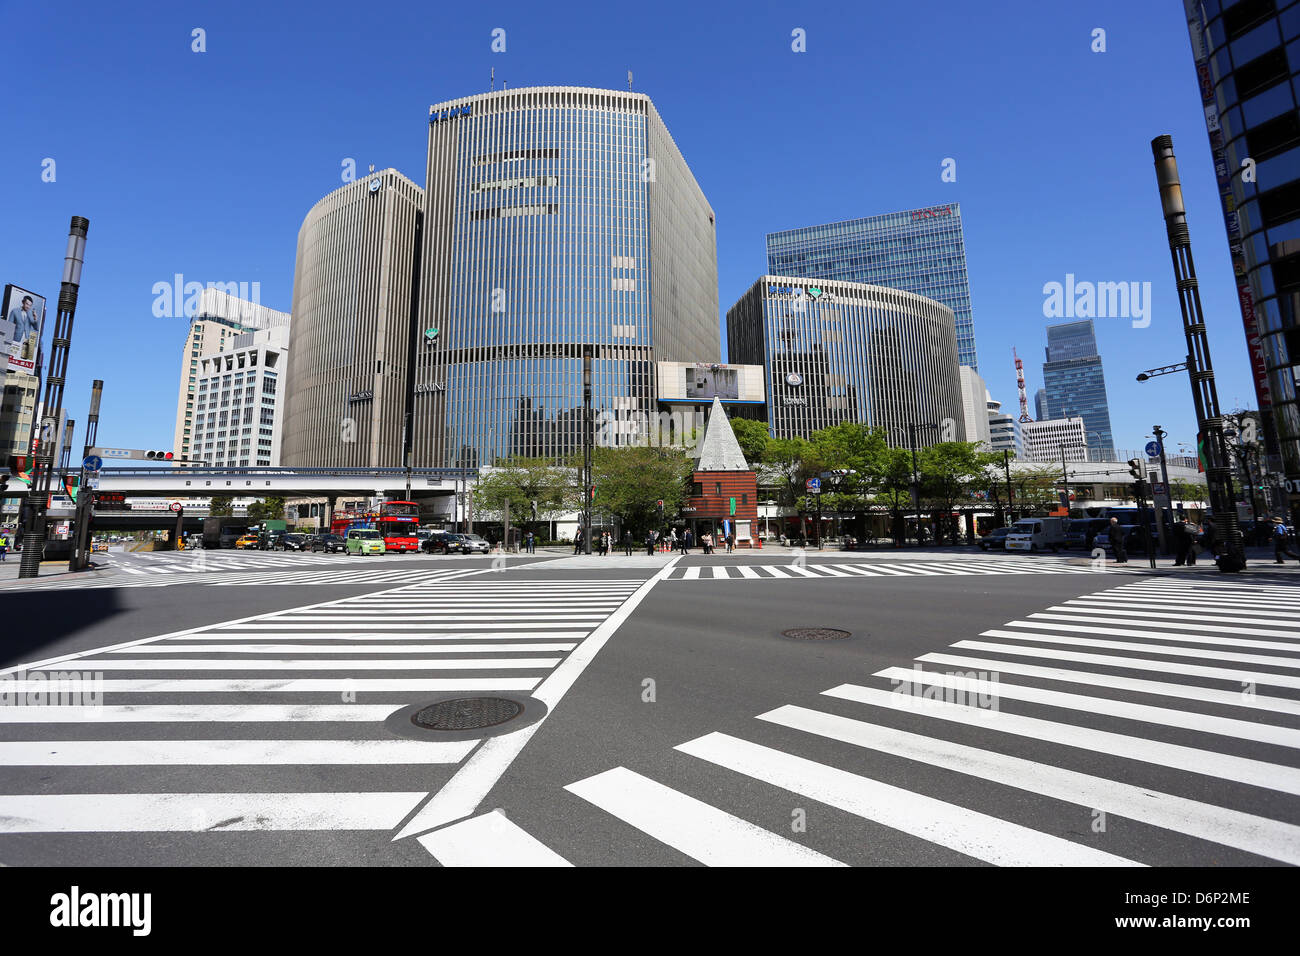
205 163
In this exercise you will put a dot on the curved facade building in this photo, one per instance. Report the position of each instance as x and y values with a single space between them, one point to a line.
849 352
556 219
354 287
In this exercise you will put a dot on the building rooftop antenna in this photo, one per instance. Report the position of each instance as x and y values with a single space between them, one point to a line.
1020 383
629 81
492 83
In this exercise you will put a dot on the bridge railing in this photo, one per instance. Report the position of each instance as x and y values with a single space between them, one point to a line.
166 472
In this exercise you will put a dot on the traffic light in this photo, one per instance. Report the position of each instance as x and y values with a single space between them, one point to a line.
1140 488
1135 468
158 455
660 505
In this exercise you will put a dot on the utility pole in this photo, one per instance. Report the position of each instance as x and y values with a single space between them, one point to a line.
43 465
505 528
1160 434
85 495
1065 477
1006 470
586 449
1200 368
916 474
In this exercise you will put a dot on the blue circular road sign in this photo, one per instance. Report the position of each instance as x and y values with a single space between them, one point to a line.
1153 449
92 463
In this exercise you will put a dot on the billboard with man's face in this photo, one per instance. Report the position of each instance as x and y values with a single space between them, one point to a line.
20 328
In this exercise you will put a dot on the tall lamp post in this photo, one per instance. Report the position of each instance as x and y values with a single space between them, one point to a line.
1200 368
916 474
43 466
85 495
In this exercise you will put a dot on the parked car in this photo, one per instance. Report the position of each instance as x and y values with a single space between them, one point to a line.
292 542
247 541
272 540
1080 532
327 542
364 541
1037 534
995 540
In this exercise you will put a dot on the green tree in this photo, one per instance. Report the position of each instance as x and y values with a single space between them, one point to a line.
1182 490
856 452
266 509
950 471
793 461
892 485
221 506
630 480
753 438
522 481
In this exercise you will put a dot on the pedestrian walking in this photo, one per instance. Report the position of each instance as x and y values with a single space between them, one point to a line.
577 542
1116 532
672 537
688 539
731 543
1210 538
627 542
1184 536
4 547
604 545
1282 542
706 539
650 537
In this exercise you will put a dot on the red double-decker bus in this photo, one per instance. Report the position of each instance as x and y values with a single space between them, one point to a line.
397 521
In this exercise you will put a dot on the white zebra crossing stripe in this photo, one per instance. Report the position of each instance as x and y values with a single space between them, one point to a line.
1244 831
1170 636
1172 609
297 685
488 840
1003 690
702 832
175 753
1257 773
1170 650
966 831
202 812
198 713
281 664
1073 614
745 572
403 648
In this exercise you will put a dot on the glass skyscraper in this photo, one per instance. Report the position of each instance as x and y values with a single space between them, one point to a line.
1247 57
916 250
557 220
1074 384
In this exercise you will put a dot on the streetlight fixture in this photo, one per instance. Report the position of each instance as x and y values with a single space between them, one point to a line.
912 429
43 465
1200 367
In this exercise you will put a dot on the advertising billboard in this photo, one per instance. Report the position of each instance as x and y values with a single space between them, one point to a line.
20 330
700 383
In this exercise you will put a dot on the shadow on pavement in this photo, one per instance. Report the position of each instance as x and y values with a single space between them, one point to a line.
37 619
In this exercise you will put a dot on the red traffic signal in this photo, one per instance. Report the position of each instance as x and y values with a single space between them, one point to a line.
158 455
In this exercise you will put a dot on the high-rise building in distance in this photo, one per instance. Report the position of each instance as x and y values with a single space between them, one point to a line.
1075 384
239 401
1054 438
557 220
1247 57
916 250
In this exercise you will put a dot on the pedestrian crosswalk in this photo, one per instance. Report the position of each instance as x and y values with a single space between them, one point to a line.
880 569
162 734
1155 722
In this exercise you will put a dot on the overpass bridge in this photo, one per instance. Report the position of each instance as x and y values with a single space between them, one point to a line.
202 482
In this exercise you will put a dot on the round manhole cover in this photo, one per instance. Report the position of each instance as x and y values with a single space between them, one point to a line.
816 634
467 713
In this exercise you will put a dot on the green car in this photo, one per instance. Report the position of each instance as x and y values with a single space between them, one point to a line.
364 541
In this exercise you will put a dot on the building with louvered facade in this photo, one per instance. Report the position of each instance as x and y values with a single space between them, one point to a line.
354 325
850 352
556 219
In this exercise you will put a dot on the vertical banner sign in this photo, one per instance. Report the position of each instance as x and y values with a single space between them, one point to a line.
20 331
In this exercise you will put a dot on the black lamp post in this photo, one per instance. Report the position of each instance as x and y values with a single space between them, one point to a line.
43 465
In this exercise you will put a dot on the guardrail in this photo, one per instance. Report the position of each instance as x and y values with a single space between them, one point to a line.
127 472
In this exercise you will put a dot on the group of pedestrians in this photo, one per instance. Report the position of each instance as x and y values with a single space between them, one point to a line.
1188 537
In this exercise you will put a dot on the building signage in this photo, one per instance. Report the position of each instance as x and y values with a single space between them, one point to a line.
934 212
794 400
438 116
430 387
365 396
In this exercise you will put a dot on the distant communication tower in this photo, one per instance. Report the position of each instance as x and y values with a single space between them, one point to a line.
1020 382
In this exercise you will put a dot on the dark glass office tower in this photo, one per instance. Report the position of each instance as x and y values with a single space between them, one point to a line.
916 250
1247 58
1075 385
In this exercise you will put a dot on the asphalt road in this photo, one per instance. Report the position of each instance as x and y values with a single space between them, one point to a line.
666 719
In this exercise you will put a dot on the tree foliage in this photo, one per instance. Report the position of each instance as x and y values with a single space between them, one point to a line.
753 439
522 481
221 506
630 480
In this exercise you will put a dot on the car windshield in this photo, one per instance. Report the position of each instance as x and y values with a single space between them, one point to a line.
472 537
365 534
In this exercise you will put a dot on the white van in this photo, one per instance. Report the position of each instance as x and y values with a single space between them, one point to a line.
1037 534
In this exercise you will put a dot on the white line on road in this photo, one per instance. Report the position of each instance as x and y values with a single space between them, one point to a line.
197 713
228 753
490 839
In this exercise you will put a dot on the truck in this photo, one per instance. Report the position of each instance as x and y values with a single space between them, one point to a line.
1037 534
223 532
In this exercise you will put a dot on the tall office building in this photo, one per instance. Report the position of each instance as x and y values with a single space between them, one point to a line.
239 400
557 220
1004 430
1075 384
1247 57
1052 438
849 352
354 325
975 406
916 250
219 317
1040 404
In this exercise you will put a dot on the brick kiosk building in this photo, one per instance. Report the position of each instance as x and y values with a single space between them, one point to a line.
725 489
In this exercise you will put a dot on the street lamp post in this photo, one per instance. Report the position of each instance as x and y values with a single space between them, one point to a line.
86 496
916 474
43 466
586 449
1200 368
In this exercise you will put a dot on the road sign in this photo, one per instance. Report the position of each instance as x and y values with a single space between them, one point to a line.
814 486
92 483
92 463
1153 449
177 507
1159 488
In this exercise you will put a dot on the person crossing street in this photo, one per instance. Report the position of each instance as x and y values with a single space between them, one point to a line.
1282 542
1117 542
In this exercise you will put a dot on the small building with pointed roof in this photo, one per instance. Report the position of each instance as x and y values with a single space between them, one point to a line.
724 493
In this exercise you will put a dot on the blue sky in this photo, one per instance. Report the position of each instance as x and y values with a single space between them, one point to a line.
206 163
